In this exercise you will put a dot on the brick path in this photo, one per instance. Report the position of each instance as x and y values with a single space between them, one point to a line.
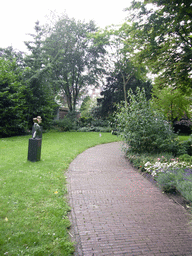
116 211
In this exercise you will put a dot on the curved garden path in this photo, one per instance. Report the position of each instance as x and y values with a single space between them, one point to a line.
116 211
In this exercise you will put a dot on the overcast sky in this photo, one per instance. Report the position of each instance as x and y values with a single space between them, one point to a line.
18 17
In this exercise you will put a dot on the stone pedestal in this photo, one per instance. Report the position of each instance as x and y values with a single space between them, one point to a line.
34 150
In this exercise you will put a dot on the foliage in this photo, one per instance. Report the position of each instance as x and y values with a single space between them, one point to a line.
85 121
177 179
63 125
39 94
143 129
10 54
183 126
34 208
94 129
183 138
120 57
188 146
173 175
168 182
12 100
68 123
161 167
171 103
113 92
84 109
76 51
160 35
186 158
87 105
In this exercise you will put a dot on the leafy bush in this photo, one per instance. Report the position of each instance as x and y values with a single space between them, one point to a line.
186 158
143 129
167 181
85 121
12 99
188 146
63 125
185 188
68 123
90 121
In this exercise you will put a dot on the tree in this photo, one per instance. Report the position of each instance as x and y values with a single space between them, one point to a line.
12 99
10 54
173 104
76 51
115 88
39 94
120 59
161 35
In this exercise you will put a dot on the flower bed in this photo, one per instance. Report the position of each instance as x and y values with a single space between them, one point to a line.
173 175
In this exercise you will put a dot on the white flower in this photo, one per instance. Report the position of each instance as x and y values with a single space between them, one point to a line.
148 164
153 173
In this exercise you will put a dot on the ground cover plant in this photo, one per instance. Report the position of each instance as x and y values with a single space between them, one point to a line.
34 210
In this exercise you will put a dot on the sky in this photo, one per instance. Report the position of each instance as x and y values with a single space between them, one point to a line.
18 17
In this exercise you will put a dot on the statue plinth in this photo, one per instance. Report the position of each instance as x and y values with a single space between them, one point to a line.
34 150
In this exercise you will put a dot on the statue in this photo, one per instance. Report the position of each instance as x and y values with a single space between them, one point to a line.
34 148
36 129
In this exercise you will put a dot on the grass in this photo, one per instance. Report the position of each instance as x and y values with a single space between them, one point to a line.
33 206
183 138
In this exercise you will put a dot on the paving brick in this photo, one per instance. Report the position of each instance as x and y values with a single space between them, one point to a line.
116 211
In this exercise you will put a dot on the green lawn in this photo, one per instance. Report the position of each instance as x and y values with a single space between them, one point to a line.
33 205
182 138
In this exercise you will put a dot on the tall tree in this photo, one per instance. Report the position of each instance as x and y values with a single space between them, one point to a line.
115 88
120 58
76 51
39 93
161 35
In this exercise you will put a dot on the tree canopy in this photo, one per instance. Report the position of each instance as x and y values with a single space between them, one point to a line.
161 35
76 52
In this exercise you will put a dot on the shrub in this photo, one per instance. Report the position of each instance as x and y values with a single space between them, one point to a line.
12 99
184 187
186 158
188 146
167 181
63 125
85 121
143 129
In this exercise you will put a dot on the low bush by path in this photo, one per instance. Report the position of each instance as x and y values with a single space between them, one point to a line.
33 205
